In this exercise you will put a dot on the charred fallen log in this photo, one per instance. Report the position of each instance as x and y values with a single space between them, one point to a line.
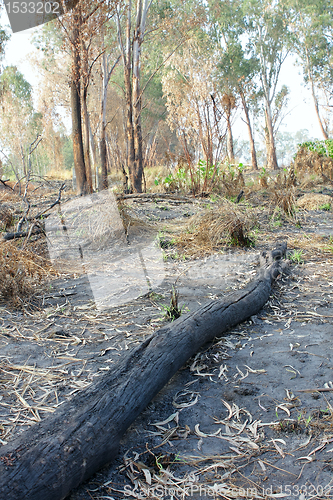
57 454
21 234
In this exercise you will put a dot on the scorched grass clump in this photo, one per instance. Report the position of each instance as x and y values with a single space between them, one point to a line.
22 273
227 224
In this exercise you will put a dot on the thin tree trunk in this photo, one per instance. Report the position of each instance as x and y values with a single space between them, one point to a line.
106 75
271 151
102 143
249 129
270 142
230 141
126 52
23 161
131 61
315 100
85 115
79 164
109 156
92 149
137 99
86 143
104 168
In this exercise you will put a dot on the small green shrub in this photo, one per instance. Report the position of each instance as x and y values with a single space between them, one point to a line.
172 311
296 257
326 206
323 148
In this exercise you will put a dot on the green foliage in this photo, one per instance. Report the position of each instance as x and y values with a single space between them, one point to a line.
323 148
275 219
308 420
262 173
13 82
172 310
234 170
49 40
296 257
4 37
185 178
312 21
326 207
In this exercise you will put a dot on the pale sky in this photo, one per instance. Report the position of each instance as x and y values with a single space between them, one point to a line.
301 109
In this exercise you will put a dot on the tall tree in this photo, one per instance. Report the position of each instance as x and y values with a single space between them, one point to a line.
19 124
236 70
108 64
163 31
130 43
267 29
82 24
311 22
194 103
3 39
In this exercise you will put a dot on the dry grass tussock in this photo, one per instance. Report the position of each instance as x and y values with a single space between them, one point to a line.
231 184
309 181
23 272
282 192
6 216
314 243
9 197
311 161
226 224
312 201
285 200
56 174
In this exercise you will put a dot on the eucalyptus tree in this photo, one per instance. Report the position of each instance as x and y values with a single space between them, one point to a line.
236 69
195 108
109 62
19 123
77 25
131 34
268 35
4 37
77 34
311 22
149 33
238 72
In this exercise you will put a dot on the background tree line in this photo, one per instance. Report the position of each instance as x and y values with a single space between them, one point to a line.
149 82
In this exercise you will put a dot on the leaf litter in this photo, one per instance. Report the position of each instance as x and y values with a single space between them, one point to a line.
249 434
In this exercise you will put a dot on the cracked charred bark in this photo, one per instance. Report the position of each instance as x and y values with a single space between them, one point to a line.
57 454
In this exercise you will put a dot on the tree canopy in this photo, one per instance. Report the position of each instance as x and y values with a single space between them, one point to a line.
146 82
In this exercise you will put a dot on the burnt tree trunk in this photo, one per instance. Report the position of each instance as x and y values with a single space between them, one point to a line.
79 164
56 455
230 141
249 128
